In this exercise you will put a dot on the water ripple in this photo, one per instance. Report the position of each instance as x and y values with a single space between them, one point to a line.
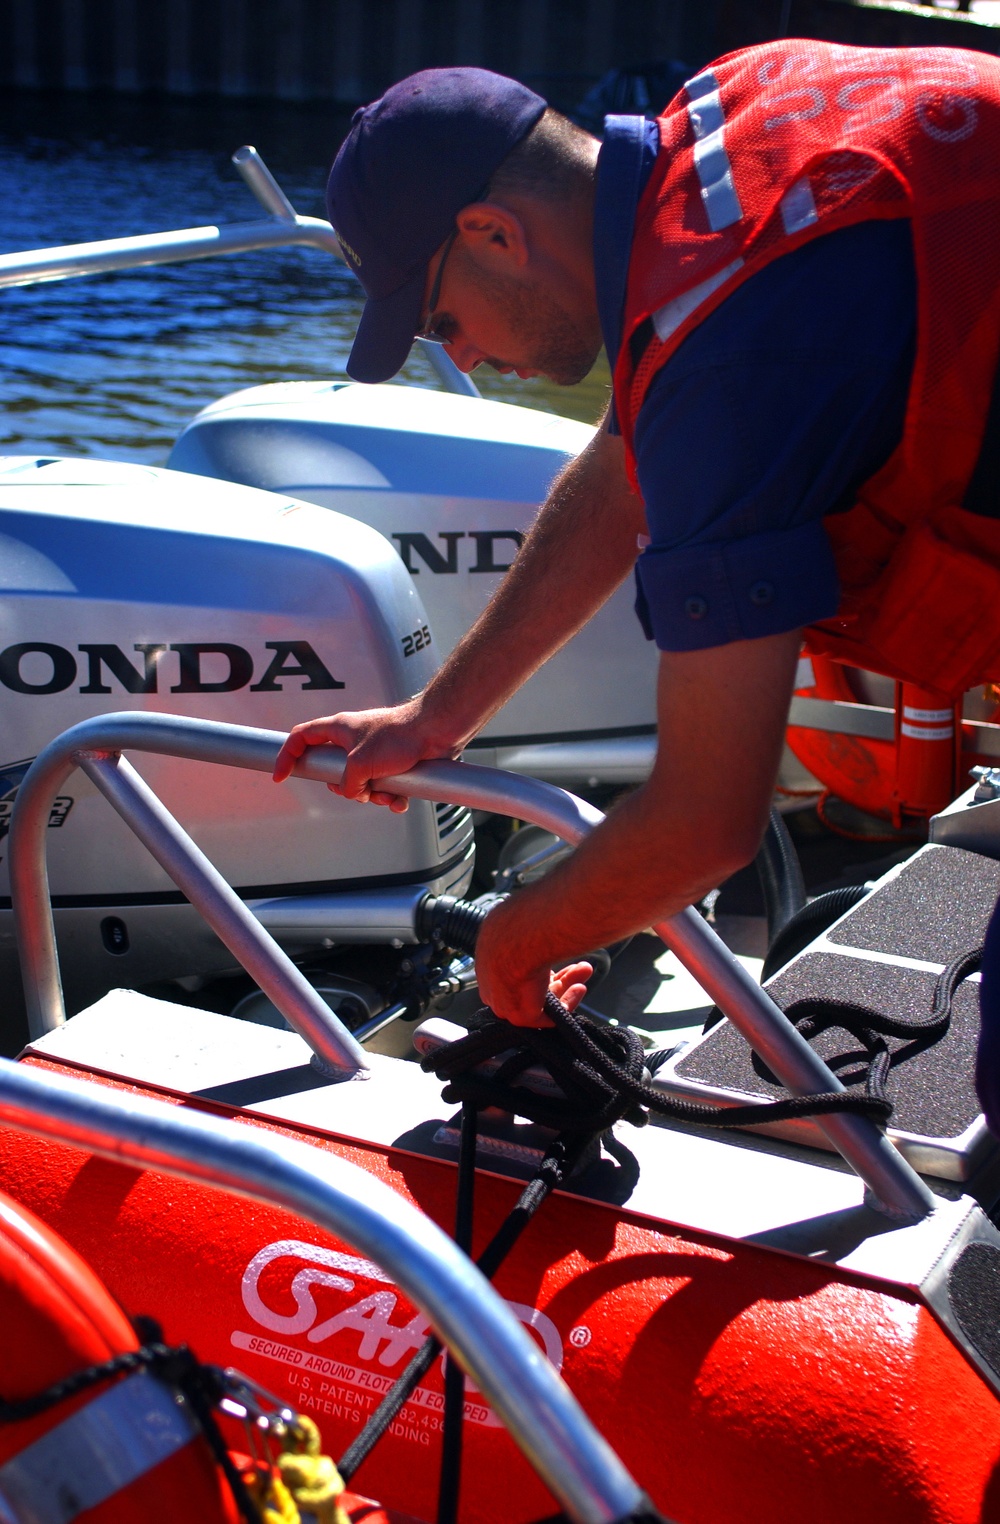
115 365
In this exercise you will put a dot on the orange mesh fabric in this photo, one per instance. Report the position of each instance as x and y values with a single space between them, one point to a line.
779 144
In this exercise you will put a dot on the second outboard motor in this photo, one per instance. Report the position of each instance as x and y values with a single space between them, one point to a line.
455 483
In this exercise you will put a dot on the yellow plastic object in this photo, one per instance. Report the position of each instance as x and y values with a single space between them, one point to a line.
310 1477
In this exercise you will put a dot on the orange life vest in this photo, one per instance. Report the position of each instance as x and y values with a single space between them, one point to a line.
772 146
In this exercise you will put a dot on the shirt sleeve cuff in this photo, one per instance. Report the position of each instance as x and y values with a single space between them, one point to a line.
707 595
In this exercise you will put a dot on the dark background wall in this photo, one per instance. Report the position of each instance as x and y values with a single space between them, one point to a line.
347 51
871 23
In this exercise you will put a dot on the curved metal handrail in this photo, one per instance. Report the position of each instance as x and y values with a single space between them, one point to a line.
539 1411
95 745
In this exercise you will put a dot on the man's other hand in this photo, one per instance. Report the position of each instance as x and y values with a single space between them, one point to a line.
511 988
380 743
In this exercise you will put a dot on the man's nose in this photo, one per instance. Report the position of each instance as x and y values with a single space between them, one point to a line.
465 355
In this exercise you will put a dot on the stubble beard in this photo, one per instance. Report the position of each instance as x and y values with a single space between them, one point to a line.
558 345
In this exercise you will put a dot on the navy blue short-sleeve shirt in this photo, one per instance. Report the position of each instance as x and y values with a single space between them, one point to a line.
769 416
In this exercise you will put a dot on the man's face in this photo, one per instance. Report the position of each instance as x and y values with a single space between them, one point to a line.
514 323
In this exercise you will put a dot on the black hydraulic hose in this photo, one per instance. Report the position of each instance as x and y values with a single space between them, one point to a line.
454 1377
455 923
807 923
780 874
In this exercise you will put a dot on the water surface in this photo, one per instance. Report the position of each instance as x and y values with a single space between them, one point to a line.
115 365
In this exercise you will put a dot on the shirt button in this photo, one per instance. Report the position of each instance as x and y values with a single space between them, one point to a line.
761 593
696 608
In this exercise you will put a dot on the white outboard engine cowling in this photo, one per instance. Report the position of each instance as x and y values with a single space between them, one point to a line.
454 482
126 587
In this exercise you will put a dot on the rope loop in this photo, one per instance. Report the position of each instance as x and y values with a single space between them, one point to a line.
596 1067
176 1367
600 1070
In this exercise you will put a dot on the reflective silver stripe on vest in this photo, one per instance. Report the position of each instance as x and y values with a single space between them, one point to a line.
722 205
669 318
94 1453
798 207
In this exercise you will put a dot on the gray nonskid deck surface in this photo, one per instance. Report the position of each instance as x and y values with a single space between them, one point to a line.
937 907
885 955
930 1086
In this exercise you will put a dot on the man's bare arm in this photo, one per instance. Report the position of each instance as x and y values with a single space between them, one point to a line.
698 819
580 548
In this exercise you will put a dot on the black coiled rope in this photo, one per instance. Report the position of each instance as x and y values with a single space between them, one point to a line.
600 1070
592 1064
871 1028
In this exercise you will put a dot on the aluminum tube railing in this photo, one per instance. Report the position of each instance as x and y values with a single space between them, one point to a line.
72 260
448 373
350 915
260 181
542 1416
338 1053
76 259
894 1187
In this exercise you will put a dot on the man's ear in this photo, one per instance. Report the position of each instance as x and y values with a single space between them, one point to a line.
493 235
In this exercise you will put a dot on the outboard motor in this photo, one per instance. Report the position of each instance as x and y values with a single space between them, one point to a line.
127 587
454 482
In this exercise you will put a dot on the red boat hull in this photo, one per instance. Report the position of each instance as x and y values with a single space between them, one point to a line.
735 1383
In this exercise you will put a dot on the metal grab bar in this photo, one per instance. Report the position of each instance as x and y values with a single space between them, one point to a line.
878 723
285 226
236 926
543 1417
69 260
339 1054
260 181
894 1187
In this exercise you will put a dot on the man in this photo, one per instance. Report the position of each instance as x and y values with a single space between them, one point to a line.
783 436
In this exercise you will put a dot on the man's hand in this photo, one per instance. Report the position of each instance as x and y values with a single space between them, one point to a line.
514 991
687 829
380 743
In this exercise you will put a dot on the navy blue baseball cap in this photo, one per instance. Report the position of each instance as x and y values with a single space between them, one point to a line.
409 164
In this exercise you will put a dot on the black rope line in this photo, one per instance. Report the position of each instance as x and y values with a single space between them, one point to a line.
198 1394
449 1484
70 1386
177 1367
559 1162
813 1015
600 1069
